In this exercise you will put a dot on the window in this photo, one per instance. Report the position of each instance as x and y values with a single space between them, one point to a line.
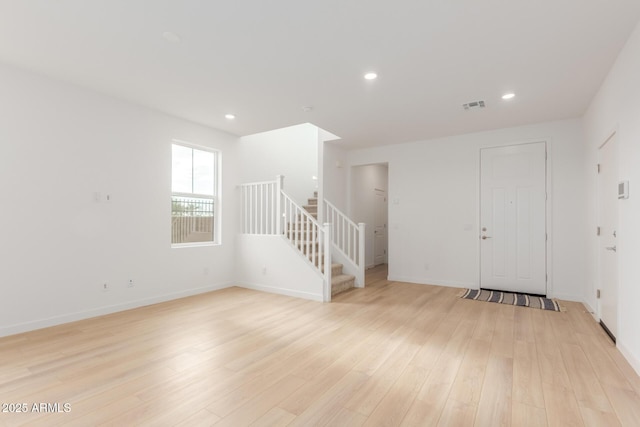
194 185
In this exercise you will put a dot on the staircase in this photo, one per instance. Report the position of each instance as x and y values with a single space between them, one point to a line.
334 249
340 282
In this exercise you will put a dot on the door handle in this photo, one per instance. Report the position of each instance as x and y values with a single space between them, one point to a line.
486 237
611 248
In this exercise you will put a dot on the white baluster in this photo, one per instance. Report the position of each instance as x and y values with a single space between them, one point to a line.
327 261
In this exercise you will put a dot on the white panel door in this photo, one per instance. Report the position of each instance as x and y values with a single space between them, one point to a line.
513 218
608 219
380 228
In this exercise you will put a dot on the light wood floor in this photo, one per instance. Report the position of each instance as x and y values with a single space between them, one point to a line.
391 354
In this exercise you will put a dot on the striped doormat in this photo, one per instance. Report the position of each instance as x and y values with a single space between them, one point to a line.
521 300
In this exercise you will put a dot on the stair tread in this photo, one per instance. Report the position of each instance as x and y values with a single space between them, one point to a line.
341 278
334 266
342 283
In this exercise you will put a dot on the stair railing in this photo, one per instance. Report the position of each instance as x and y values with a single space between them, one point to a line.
311 238
267 210
347 237
260 211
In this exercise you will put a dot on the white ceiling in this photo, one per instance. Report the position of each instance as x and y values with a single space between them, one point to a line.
264 60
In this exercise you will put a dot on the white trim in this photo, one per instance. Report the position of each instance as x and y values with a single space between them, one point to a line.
194 244
217 162
87 314
193 195
216 197
609 138
567 297
192 145
378 192
250 184
590 310
280 291
219 202
612 136
434 282
548 177
548 220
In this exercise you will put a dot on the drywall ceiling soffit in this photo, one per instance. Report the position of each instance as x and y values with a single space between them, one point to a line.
265 61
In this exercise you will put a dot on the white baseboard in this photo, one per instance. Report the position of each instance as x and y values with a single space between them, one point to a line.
635 363
435 282
101 311
280 291
591 310
567 297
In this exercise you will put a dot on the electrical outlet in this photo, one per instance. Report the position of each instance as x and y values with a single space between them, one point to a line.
264 270
130 284
105 287
99 197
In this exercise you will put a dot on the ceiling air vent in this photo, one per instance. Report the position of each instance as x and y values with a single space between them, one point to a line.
473 105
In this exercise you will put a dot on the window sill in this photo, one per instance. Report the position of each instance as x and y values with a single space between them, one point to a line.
193 245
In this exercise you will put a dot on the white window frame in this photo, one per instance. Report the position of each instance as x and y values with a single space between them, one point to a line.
215 198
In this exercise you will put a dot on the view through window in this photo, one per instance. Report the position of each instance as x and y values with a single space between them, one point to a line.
193 195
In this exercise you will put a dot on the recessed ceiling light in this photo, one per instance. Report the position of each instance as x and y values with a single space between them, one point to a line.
508 95
229 116
171 37
371 76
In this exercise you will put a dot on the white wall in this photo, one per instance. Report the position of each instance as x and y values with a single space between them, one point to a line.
434 204
364 181
295 153
291 151
616 108
59 145
270 264
334 183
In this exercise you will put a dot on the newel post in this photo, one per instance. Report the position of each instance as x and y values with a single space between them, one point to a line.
278 199
327 261
361 248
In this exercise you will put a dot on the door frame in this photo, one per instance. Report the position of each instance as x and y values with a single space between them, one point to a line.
548 209
354 208
380 192
613 134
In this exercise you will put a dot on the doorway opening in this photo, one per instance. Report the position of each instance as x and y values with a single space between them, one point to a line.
369 204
